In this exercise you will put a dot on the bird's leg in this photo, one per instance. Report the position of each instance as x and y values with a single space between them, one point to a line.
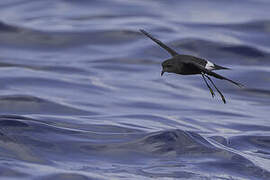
221 95
211 90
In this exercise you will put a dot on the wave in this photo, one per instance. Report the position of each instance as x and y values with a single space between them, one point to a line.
199 151
24 104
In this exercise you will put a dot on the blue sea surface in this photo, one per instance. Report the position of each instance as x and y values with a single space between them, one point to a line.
81 94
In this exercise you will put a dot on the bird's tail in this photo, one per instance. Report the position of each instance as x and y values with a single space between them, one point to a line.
222 77
218 67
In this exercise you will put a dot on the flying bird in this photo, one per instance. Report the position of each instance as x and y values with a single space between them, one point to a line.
189 65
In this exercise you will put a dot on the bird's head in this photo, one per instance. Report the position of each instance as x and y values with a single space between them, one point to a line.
168 66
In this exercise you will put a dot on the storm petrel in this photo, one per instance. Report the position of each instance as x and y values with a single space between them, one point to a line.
188 65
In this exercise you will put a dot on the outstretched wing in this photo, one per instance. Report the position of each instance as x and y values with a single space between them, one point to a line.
211 73
170 50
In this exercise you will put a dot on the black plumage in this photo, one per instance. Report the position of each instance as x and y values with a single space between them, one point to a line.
189 65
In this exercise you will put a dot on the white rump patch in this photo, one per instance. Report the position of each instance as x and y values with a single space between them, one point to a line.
209 66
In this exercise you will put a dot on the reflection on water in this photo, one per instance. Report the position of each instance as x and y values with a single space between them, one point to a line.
82 97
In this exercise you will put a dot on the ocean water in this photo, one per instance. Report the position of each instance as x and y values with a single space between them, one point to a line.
81 94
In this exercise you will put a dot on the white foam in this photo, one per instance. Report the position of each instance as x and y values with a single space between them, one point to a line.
209 66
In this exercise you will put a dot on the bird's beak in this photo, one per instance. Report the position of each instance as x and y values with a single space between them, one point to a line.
162 72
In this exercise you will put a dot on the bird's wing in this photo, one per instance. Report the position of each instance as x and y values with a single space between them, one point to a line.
170 50
211 73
